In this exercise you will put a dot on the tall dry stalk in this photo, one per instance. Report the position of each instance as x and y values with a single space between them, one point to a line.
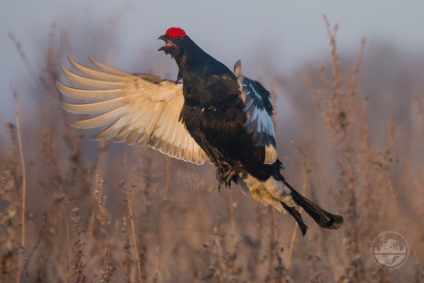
106 266
163 217
305 185
23 189
128 192
79 260
338 108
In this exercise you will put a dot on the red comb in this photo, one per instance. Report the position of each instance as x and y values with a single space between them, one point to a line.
174 32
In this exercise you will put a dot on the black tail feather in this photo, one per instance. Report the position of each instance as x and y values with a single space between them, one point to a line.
296 215
323 218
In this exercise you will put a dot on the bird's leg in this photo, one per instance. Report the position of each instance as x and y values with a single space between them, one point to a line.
219 176
229 176
221 170
225 174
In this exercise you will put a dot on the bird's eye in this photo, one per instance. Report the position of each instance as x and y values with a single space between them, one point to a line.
178 38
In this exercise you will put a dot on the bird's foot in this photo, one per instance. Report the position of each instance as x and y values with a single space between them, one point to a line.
224 175
229 177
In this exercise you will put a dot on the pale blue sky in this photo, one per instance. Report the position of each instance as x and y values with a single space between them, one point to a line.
281 33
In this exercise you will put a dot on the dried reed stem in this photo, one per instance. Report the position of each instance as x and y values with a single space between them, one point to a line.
23 190
37 242
338 107
354 80
306 170
128 196
272 242
23 56
163 215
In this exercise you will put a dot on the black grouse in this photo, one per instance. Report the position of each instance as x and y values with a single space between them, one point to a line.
214 114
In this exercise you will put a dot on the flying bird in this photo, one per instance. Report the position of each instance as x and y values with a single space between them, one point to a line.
209 113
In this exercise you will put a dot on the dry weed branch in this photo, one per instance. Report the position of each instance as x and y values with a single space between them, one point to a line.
23 188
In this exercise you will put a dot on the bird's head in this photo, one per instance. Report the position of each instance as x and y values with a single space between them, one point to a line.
174 41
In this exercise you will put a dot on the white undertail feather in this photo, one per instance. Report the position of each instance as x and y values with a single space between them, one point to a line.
270 192
130 108
270 154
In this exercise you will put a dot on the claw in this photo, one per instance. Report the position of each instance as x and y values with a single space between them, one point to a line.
229 176
219 177
224 175
219 185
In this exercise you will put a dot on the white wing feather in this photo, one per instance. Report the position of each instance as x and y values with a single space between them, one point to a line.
259 120
141 109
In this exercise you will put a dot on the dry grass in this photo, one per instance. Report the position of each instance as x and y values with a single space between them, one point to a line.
108 213
338 105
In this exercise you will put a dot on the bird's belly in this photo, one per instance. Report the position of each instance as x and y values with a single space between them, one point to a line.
205 133
225 141
269 192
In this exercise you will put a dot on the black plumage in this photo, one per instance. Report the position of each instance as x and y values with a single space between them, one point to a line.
214 114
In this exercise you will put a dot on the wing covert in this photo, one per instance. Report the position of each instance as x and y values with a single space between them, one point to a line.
258 109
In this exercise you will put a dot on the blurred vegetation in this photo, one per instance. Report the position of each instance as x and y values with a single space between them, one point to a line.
350 133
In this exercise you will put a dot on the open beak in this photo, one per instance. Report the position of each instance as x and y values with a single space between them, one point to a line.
164 37
168 43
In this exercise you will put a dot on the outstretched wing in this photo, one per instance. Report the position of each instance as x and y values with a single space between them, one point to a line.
135 108
258 109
